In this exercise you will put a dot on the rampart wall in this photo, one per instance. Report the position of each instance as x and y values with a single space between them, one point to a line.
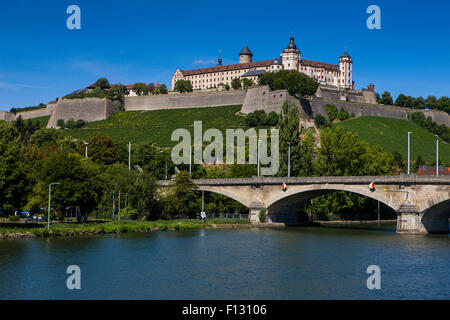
318 106
91 109
189 100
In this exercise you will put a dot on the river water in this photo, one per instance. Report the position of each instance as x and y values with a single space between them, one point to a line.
290 263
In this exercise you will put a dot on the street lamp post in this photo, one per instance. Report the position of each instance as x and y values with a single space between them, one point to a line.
437 156
50 201
259 147
129 155
190 161
289 159
409 149
86 154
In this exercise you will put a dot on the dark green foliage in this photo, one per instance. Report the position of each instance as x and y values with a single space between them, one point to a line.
141 89
16 110
441 130
386 99
320 121
246 83
182 197
332 112
183 86
291 80
343 115
259 118
60 123
236 83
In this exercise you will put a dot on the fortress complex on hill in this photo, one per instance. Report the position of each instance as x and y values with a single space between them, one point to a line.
334 75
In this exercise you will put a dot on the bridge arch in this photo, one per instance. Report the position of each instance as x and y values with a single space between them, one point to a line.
239 197
284 206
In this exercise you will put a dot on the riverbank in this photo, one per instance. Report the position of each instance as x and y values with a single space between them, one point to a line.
70 230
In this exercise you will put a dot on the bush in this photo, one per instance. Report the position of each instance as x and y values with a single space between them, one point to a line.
320 121
71 124
14 218
60 123
262 215
332 112
129 213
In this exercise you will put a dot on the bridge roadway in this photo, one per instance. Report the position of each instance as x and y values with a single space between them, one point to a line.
422 203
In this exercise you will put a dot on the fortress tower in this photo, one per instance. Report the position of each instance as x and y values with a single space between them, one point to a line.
291 56
245 56
346 71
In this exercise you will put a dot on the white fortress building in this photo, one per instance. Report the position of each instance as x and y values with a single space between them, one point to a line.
335 75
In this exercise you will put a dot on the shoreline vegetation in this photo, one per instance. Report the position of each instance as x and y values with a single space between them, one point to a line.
96 228
116 227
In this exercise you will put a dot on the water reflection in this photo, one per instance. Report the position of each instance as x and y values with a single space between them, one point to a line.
290 263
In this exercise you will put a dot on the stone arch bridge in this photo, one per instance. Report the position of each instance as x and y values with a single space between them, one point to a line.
422 203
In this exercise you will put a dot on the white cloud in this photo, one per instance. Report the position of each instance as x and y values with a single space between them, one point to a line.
204 62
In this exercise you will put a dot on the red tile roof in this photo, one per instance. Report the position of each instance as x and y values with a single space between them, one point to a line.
230 67
317 64
431 171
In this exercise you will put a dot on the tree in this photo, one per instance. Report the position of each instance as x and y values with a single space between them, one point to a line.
101 149
398 159
343 115
419 162
332 112
386 99
141 89
15 169
153 160
246 83
183 86
293 81
117 92
71 124
320 121
80 185
102 83
343 153
227 87
182 197
44 138
151 87
163 89
236 83
289 134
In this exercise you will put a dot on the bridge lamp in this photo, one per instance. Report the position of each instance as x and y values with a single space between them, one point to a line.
289 159
50 200
409 149
437 156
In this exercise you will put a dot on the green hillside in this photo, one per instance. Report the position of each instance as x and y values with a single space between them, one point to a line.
157 126
392 135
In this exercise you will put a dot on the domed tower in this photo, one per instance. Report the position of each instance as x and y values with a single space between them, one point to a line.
346 71
245 56
291 56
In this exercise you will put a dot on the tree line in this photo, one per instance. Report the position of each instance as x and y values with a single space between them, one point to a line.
431 102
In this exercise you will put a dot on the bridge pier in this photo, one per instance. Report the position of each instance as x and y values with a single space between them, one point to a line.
411 221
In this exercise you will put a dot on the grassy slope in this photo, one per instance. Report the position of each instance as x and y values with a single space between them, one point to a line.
392 135
43 121
157 126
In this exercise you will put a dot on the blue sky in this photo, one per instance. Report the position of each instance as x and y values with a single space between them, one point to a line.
145 41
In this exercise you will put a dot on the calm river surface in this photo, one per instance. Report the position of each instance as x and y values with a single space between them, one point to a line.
290 263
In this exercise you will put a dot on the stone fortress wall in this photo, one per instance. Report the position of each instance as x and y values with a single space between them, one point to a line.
47 111
188 100
91 109
360 103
